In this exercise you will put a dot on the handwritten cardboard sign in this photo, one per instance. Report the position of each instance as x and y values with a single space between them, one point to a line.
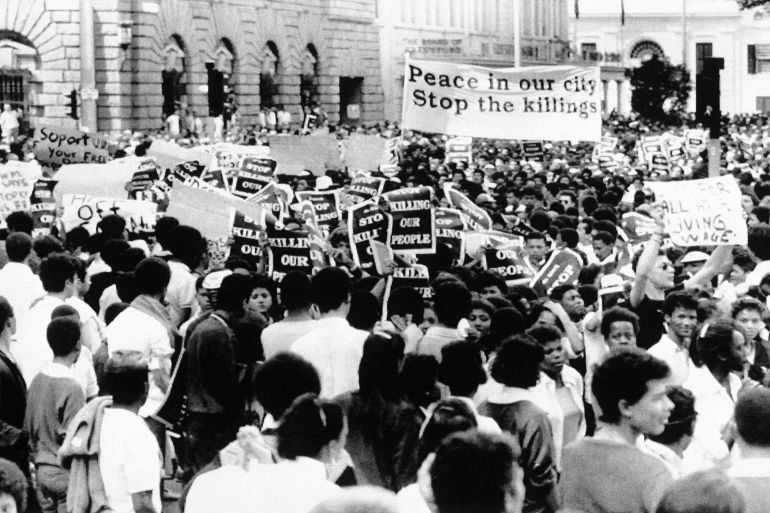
703 212
87 211
57 145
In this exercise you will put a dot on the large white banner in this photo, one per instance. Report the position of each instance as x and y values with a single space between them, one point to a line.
551 103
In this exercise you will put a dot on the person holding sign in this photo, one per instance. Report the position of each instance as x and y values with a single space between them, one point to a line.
655 277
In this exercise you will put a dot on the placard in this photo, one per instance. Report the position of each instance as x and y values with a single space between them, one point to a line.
168 154
364 152
506 261
102 180
246 233
57 145
449 230
562 268
638 227
415 276
87 211
414 221
553 103
367 221
476 218
326 205
362 188
15 189
253 174
533 150
43 204
704 212
184 172
459 149
209 211
271 198
296 153
288 251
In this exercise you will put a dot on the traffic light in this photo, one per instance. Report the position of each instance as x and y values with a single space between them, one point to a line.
73 101
216 85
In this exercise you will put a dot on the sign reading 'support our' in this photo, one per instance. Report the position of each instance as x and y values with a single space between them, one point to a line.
550 103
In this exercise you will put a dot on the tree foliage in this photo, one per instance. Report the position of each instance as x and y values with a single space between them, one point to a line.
748 4
660 90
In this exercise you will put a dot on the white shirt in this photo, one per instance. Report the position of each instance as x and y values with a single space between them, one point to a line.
279 337
108 297
290 486
129 459
133 330
753 278
410 500
92 330
544 395
180 293
435 338
335 349
677 358
714 407
20 286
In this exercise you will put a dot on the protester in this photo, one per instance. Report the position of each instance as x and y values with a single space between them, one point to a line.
704 492
472 471
18 284
517 367
13 488
630 389
214 405
680 312
311 433
332 345
383 427
299 319
13 399
750 468
54 398
674 444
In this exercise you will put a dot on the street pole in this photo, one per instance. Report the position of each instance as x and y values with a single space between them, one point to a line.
88 92
684 33
711 68
517 33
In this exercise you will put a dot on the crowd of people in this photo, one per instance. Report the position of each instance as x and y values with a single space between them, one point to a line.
642 386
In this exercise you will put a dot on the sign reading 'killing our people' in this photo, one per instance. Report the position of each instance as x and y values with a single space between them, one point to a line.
551 103
703 212
414 221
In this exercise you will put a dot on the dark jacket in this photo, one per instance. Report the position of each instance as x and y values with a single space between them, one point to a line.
383 438
529 425
211 373
13 404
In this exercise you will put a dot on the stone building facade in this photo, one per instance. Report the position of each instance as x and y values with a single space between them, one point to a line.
685 31
152 55
480 32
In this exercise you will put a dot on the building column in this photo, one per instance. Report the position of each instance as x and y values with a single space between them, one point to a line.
605 97
619 104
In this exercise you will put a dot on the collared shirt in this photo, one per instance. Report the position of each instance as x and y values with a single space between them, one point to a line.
180 293
289 486
20 286
335 349
676 356
32 352
134 330
544 395
129 459
714 407
279 337
435 338
667 456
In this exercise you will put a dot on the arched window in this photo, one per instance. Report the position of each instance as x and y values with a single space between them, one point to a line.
644 50
268 74
225 59
174 79
18 61
308 84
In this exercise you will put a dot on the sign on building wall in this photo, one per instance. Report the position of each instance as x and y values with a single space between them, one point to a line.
552 103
